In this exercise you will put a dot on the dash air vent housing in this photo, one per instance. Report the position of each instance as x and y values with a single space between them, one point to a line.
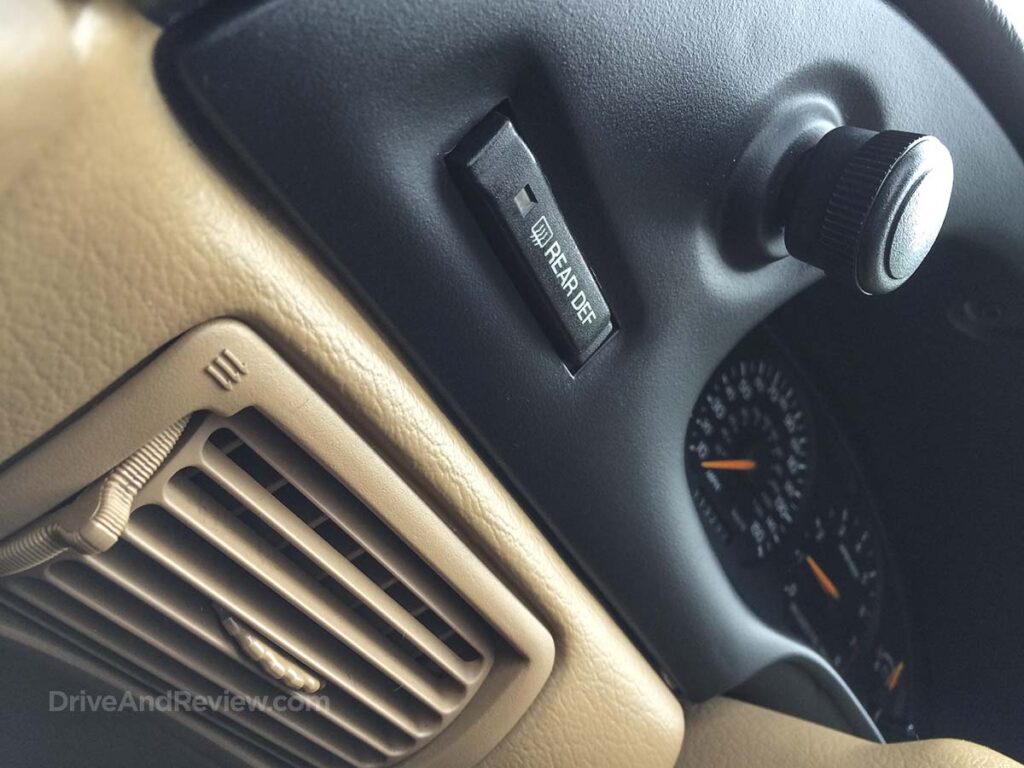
273 556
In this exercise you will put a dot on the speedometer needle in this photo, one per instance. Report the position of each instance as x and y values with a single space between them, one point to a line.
736 465
826 583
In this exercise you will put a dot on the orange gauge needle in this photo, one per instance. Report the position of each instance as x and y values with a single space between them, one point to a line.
736 465
823 579
894 677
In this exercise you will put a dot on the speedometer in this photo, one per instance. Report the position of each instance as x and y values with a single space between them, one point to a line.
749 455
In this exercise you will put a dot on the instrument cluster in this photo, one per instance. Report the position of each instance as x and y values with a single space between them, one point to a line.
793 520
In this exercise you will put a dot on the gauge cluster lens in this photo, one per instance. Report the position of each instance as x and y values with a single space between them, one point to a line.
784 501
750 452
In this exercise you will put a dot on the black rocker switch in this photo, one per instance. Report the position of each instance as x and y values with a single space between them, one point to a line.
505 187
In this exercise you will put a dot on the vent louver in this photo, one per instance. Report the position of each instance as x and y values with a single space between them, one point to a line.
248 568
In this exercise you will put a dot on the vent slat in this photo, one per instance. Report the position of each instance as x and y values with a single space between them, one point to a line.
188 556
169 673
326 557
335 501
191 611
286 579
167 637
122 566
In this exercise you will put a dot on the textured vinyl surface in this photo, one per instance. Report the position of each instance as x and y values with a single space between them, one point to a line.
725 733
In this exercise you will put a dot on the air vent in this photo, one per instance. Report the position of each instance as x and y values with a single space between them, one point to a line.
360 653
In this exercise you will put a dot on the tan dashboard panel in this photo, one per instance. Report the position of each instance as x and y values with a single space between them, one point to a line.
119 236
724 733
37 72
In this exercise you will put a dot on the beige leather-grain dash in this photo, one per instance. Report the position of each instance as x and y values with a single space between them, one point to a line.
725 733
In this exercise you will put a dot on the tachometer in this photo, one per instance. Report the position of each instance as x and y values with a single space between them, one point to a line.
749 454
832 593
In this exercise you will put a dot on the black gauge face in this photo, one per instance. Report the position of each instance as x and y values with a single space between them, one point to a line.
833 591
749 454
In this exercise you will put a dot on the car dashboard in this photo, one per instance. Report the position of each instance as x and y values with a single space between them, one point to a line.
522 379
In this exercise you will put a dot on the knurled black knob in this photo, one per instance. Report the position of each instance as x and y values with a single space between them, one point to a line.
866 207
